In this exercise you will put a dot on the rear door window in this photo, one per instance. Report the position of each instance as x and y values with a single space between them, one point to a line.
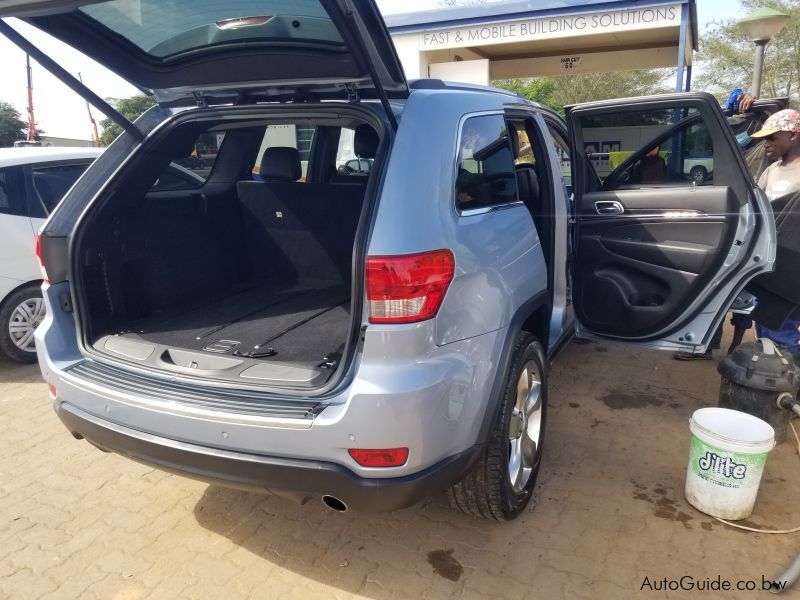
485 175
51 182
653 148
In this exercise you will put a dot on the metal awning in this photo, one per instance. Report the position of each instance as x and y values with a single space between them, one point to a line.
516 39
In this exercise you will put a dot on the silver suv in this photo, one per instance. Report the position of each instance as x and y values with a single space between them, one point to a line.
371 338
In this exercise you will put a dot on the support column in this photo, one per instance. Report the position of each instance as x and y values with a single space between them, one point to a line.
682 47
758 67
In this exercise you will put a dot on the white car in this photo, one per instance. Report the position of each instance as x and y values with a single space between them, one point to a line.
32 182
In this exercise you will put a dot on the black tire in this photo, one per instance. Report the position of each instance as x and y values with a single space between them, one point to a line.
11 302
698 174
487 491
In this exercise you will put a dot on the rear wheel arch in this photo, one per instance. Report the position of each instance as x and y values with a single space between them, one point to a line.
538 323
502 479
532 317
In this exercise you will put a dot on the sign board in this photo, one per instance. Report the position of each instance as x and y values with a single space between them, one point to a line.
552 27
568 63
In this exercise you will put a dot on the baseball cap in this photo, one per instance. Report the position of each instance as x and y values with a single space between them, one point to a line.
783 120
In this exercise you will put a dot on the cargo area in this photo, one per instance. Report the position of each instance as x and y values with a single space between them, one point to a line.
244 279
256 319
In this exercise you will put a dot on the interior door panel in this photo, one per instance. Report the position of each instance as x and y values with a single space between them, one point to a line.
636 268
660 254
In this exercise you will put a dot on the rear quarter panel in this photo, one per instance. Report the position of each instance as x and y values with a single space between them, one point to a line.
499 262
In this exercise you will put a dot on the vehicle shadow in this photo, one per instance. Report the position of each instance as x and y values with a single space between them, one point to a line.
611 491
14 372
414 549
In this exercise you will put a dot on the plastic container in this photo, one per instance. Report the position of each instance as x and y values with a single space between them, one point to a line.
753 378
726 460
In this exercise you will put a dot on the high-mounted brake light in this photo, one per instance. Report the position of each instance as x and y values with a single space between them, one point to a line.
386 457
39 257
408 288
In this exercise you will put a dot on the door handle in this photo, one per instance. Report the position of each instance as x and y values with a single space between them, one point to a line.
608 207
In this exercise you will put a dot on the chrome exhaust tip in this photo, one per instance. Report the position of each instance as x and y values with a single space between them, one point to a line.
334 503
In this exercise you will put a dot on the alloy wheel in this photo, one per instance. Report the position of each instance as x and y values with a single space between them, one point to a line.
525 427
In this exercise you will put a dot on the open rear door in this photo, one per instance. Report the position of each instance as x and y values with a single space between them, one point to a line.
670 225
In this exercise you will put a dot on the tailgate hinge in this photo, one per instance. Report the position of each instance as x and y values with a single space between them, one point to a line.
200 98
352 92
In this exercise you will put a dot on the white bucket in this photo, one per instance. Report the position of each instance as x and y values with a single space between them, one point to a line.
726 460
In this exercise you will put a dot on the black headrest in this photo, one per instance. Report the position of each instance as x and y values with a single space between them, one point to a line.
281 163
365 141
513 136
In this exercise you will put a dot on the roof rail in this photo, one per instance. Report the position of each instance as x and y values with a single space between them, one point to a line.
438 84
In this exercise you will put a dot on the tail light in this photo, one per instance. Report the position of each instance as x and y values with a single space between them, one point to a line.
39 257
386 457
408 288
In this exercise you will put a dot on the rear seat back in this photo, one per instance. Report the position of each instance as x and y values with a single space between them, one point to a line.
298 231
365 146
351 188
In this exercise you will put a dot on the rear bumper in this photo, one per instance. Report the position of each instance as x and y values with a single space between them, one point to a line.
257 472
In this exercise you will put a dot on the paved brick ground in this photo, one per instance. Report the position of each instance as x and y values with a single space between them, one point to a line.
77 523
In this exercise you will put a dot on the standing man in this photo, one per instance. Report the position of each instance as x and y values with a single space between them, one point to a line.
781 135
781 181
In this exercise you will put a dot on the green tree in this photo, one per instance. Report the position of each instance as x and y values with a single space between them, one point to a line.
12 127
570 89
725 59
557 92
537 90
130 108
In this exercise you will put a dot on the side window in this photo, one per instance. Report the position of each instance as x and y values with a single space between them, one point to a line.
51 182
12 192
191 171
653 148
485 174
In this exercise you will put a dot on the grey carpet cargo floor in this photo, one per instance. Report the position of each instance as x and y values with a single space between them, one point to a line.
303 323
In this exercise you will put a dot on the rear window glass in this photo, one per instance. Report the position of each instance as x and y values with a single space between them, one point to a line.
166 28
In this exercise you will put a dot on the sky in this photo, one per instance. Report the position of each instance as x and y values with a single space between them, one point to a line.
62 113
